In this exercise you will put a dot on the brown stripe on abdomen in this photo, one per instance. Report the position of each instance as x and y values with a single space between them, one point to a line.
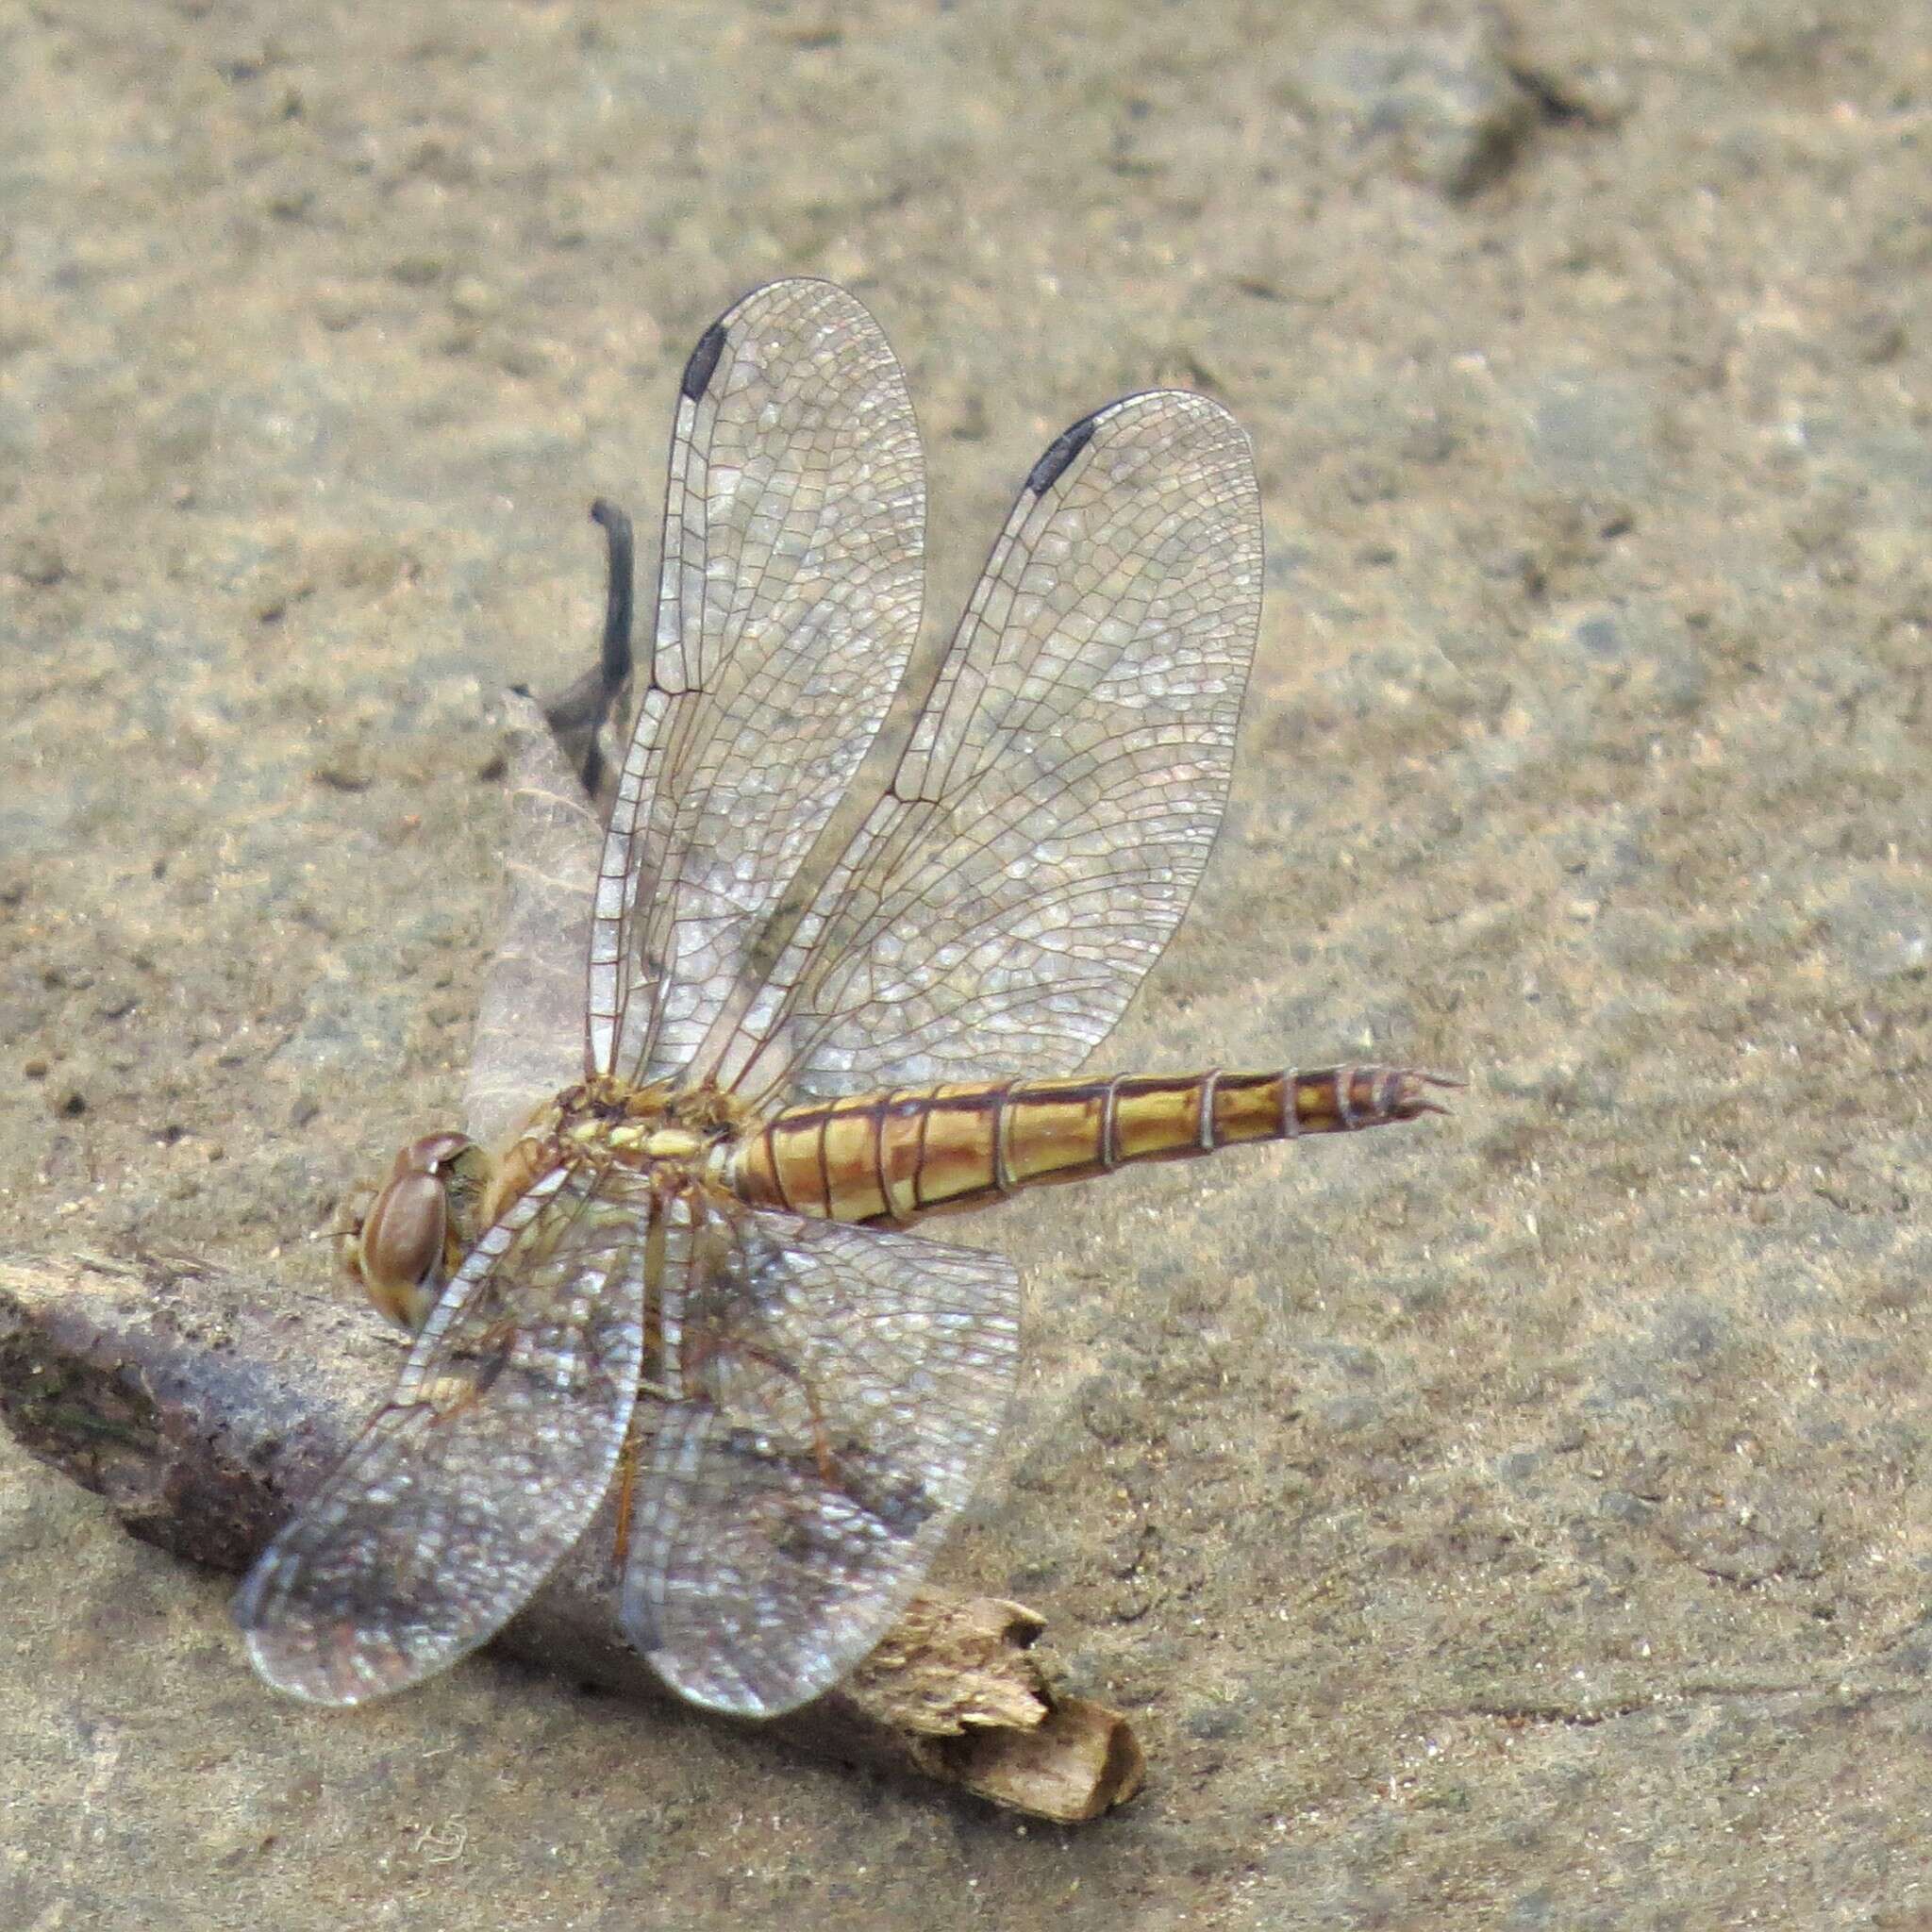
819 1159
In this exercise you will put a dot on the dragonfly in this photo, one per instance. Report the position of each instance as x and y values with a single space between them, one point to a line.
745 1033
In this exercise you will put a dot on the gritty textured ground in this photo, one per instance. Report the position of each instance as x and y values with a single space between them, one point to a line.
1521 1520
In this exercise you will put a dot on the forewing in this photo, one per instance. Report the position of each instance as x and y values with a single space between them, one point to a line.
531 1024
787 604
1061 790
847 1385
480 1472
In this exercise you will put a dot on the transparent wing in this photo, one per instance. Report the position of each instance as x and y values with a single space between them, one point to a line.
787 604
529 1036
848 1386
1060 792
480 1472
531 1026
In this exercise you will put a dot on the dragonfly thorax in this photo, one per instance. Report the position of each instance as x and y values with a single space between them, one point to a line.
608 1120
444 1189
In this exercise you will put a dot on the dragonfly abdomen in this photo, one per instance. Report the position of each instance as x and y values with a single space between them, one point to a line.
892 1157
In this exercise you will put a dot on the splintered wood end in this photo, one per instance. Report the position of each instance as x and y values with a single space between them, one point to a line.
957 1676
1081 1760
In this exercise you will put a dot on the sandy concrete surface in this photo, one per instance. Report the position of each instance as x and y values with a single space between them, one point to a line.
1518 1521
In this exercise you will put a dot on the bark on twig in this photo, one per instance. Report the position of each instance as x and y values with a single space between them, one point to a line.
201 1404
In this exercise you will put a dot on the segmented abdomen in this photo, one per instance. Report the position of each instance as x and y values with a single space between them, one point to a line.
892 1157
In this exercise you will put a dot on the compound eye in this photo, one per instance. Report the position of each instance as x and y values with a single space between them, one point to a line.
400 1254
429 1153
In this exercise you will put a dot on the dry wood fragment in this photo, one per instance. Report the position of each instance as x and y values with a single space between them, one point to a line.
199 1403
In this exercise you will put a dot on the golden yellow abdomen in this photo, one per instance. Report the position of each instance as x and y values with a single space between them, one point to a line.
895 1155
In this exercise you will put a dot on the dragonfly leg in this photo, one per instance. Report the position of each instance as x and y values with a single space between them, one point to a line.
594 708
626 1490
699 1380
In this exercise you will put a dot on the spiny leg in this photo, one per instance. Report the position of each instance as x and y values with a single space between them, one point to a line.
580 718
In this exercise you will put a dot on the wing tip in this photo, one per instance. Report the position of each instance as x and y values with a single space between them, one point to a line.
292 1671
735 1696
703 364
1059 454
321 1666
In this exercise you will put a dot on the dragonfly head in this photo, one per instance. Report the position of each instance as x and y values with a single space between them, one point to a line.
420 1227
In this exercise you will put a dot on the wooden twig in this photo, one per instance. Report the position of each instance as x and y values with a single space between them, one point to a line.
200 1404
